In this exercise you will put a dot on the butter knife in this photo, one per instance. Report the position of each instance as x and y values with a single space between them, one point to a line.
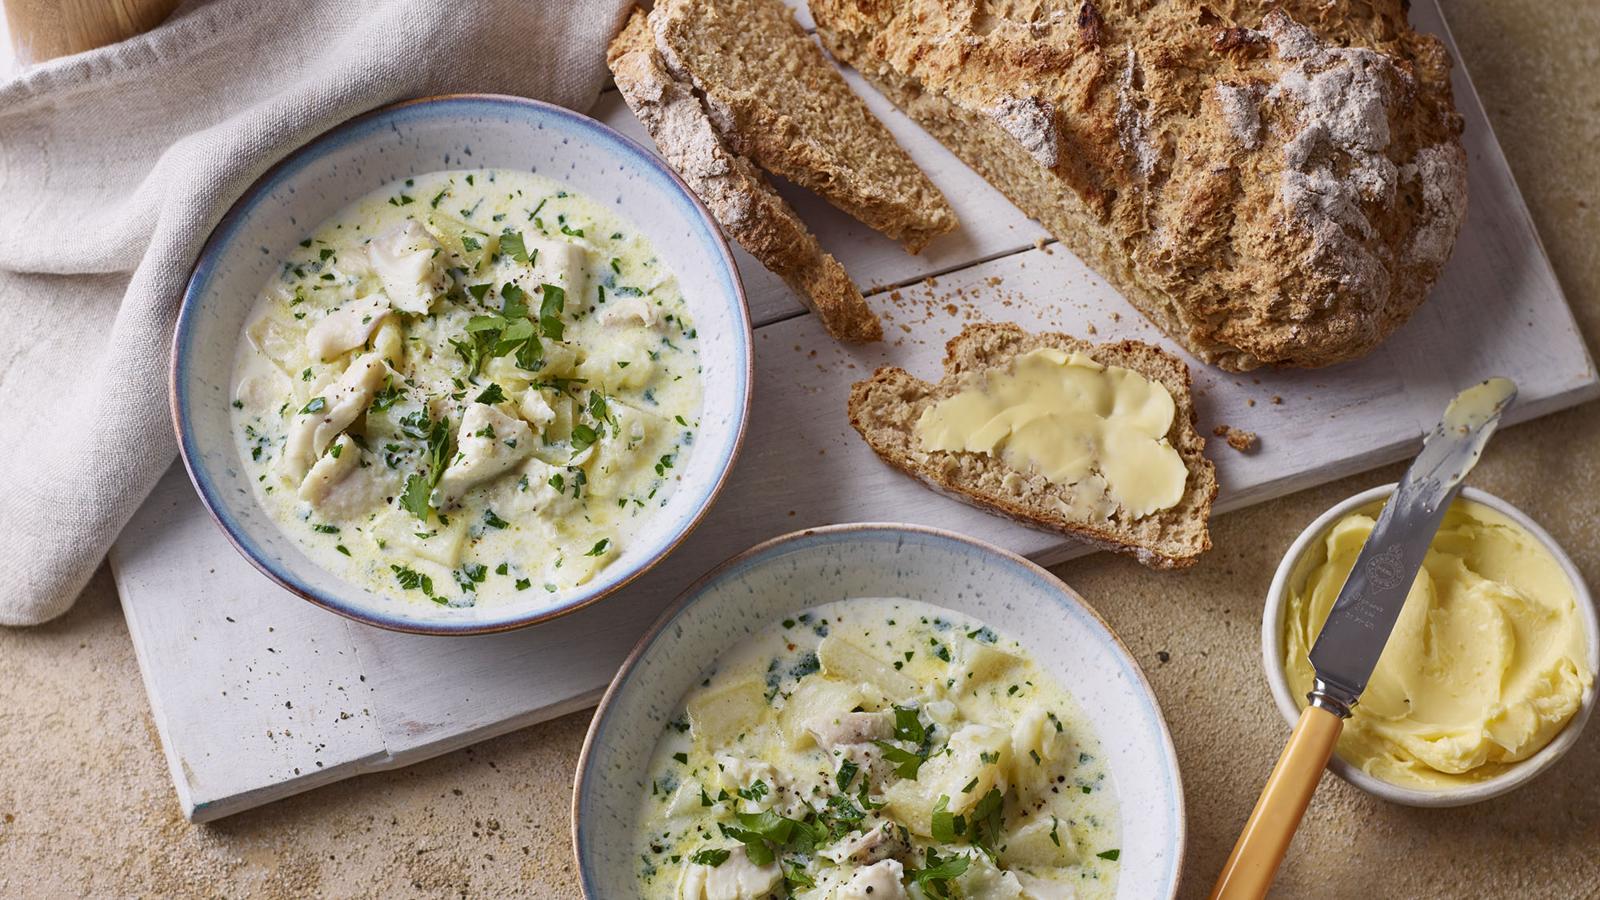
1358 626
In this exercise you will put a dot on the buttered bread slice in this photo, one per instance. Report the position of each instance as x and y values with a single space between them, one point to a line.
1097 442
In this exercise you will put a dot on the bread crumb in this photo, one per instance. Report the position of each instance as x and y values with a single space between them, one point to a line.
1277 400
1038 243
1237 438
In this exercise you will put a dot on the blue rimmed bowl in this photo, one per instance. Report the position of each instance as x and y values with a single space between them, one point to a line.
791 573
413 138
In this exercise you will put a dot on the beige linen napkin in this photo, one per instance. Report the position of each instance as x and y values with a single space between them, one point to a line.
114 165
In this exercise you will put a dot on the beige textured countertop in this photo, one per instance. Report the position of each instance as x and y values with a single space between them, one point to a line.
86 805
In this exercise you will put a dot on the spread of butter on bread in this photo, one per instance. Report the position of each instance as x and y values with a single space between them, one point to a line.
1101 429
467 387
877 749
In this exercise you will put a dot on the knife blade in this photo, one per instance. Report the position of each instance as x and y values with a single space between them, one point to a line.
1351 641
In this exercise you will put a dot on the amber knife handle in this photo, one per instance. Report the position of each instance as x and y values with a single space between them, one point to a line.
1254 861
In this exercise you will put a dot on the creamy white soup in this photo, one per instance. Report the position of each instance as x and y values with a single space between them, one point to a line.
878 749
468 386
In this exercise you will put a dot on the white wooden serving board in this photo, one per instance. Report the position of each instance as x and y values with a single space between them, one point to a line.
259 695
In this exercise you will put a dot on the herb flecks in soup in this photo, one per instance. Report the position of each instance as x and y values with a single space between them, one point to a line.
878 749
467 386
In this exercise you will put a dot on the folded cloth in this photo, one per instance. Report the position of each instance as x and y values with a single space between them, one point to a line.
114 166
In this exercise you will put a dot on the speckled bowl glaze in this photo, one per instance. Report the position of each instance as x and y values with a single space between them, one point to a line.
1294 570
804 569
433 134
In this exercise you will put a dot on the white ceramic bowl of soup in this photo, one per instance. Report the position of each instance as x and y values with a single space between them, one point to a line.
788 575
1291 575
387 146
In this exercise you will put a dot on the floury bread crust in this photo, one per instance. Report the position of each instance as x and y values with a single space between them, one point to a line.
777 99
885 409
732 188
1269 183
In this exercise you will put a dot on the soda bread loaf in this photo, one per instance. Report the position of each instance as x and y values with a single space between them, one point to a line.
1270 183
885 410
738 196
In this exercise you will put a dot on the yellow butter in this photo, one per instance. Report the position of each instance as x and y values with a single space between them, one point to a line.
1486 664
1072 420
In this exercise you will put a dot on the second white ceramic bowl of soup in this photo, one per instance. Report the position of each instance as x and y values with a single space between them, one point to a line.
272 227
780 581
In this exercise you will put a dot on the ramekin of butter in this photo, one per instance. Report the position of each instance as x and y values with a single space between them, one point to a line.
1489 675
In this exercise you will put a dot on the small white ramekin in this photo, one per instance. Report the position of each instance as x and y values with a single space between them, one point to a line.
1514 776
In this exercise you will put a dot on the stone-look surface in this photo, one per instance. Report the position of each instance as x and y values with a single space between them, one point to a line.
86 805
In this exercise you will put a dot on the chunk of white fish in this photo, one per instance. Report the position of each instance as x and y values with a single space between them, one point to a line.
316 426
488 444
629 311
411 265
330 469
879 881
348 327
737 878
561 264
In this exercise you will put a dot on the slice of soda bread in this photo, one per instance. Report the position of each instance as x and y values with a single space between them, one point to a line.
886 407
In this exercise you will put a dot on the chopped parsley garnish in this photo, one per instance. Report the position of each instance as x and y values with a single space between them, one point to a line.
491 395
765 833
494 521
1109 854
315 405
935 877
846 774
512 245
554 302
906 763
944 824
386 395
471 574
711 857
984 823
907 726
599 547
412 580
420 485
583 436
513 301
